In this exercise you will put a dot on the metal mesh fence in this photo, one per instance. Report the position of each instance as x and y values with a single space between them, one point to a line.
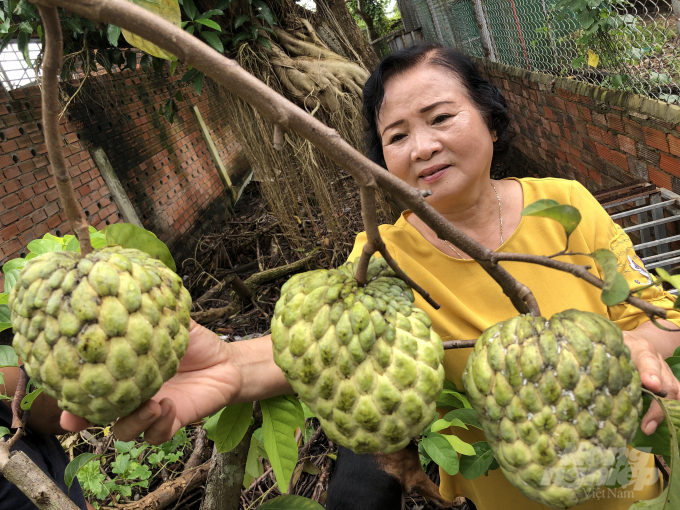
632 45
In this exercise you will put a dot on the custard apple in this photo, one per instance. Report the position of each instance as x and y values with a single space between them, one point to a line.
364 359
101 333
558 400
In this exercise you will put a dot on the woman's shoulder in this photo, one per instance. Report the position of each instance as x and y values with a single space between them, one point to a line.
563 191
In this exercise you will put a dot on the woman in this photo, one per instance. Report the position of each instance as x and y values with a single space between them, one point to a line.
436 124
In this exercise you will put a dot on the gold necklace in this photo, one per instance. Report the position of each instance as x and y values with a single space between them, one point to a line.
500 217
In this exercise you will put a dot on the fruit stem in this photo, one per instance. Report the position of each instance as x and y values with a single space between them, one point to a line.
51 109
375 243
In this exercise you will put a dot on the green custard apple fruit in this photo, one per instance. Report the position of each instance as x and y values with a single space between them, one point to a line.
101 333
558 400
364 359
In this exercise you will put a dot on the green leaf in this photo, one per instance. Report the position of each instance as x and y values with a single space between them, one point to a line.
241 19
22 45
241 36
266 14
4 298
198 83
659 442
17 263
168 10
459 445
224 4
290 503
131 60
441 452
27 401
568 216
123 446
173 67
477 465
211 423
280 418
264 42
445 424
669 499
11 278
4 431
209 14
189 8
307 412
467 416
232 426
113 34
615 289
132 236
189 75
8 358
213 40
253 465
209 23
40 246
449 398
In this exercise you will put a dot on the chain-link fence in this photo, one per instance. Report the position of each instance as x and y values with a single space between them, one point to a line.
630 45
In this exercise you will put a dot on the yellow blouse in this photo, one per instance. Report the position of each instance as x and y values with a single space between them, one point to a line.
471 302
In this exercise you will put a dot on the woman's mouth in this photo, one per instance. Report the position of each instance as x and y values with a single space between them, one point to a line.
434 174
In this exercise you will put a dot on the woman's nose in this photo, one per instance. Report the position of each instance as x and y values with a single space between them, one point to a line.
424 146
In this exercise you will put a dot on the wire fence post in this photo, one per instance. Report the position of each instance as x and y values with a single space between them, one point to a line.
482 26
435 21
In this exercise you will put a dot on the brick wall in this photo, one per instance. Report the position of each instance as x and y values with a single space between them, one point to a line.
165 169
598 136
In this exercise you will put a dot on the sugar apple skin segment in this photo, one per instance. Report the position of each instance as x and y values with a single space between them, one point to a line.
101 333
557 399
364 359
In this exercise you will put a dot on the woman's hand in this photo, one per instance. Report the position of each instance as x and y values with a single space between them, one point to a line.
649 347
211 375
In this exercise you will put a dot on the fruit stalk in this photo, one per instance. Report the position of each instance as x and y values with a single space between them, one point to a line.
51 109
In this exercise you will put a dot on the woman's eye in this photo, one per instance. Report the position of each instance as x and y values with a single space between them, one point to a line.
440 118
397 137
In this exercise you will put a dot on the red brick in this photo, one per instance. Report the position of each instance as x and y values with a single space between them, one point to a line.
41 187
602 151
594 132
627 144
670 164
655 138
11 201
584 113
9 232
614 122
9 217
659 178
25 209
673 144
634 129
619 159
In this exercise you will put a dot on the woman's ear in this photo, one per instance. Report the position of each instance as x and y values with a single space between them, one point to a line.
493 136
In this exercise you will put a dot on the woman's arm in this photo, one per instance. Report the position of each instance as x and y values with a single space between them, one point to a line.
212 374
649 347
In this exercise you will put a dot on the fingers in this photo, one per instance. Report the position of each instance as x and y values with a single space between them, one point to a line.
663 379
73 423
155 419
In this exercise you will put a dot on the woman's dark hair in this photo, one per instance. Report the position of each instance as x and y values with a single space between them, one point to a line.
486 97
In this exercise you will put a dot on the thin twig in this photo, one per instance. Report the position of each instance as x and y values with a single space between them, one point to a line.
458 344
375 243
19 394
54 45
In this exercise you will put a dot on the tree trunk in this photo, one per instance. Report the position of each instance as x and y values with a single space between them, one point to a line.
370 27
357 41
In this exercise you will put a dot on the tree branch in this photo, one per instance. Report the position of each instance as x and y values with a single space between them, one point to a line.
18 469
278 110
19 394
54 47
578 271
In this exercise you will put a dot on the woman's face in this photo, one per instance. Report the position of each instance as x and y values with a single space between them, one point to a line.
434 137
